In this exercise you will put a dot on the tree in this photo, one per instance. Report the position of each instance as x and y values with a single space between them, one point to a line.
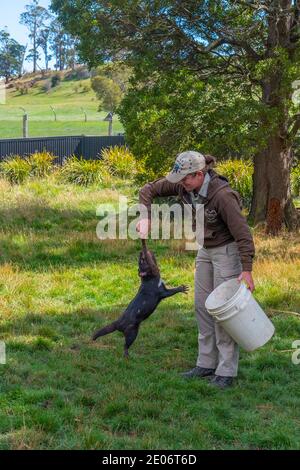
71 52
253 44
165 113
11 56
34 18
63 45
43 42
110 83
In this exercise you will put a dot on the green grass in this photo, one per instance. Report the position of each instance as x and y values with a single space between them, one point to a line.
13 129
67 103
59 390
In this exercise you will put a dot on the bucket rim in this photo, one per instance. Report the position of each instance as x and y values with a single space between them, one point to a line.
230 302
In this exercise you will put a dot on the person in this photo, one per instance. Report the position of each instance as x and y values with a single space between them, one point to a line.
227 253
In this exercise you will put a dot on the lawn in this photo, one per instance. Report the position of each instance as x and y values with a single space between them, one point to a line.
68 101
59 390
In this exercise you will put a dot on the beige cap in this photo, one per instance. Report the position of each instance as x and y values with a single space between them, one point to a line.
186 163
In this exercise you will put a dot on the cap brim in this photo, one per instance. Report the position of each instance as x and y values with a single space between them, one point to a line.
175 177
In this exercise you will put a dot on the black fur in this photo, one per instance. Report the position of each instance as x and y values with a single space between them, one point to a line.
152 290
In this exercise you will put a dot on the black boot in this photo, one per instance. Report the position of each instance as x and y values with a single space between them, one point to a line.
222 382
198 372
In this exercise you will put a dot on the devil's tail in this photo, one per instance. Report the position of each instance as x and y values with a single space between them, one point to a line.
105 331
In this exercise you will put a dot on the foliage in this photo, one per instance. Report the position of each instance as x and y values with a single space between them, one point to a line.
295 181
80 73
83 172
15 169
110 82
107 92
11 56
62 45
239 174
119 161
55 80
41 163
252 51
34 18
46 86
43 40
166 113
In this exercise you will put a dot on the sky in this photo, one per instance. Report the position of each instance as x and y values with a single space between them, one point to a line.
10 17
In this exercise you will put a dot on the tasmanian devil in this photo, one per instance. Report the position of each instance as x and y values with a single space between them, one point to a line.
152 290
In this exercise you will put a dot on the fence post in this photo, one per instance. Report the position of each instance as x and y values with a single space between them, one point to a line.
25 126
110 126
109 119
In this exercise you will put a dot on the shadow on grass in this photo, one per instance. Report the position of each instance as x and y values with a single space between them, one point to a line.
36 236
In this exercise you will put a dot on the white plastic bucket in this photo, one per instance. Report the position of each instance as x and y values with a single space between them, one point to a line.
233 305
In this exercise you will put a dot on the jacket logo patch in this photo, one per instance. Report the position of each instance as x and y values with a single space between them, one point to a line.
211 215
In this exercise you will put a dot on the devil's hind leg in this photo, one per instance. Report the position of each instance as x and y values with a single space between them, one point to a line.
130 335
105 330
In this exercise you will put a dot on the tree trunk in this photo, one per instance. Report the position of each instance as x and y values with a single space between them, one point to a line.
272 201
46 56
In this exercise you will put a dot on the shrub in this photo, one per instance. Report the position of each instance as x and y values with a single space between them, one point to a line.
119 161
86 88
41 164
78 74
239 174
143 174
83 172
46 86
55 80
23 90
15 169
295 181
82 74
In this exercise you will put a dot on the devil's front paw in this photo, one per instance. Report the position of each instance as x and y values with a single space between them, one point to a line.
184 289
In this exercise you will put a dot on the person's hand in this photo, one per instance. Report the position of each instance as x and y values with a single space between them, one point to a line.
143 227
247 277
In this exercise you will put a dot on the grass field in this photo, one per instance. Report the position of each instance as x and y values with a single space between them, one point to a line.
59 390
67 99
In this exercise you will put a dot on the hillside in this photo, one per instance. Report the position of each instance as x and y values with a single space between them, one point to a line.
35 95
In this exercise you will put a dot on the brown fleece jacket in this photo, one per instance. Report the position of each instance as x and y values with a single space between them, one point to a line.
223 219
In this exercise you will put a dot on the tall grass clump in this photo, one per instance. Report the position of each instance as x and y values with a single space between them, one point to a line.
15 169
83 172
239 174
119 161
41 164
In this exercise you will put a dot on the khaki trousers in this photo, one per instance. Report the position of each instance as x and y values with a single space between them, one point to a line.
217 350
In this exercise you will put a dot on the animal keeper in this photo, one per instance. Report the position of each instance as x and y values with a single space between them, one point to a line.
227 253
